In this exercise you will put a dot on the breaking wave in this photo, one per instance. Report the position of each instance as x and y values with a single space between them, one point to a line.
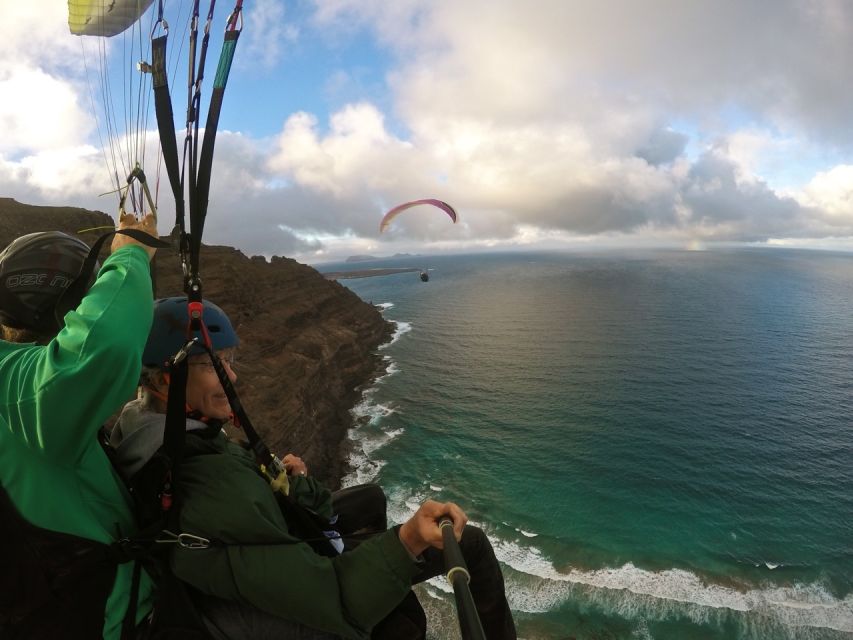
400 329
534 585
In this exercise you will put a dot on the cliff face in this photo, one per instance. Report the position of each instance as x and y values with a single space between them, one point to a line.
307 343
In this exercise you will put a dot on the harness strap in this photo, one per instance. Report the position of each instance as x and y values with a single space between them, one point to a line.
306 523
205 165
166 123
128 625
140 547
74 292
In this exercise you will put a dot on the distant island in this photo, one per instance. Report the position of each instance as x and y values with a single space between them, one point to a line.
366 258
366 273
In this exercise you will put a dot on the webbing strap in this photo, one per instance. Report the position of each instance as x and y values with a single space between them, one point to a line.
176 414
260 449
74 292
205 165
166 124
304 521
128 626
199 158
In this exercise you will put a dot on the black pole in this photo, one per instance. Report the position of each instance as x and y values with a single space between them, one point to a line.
458 577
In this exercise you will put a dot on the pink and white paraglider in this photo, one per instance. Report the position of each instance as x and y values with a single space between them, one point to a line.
393 213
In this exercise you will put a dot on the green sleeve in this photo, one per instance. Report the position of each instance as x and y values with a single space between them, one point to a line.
260 563
346 595
311 494
92 366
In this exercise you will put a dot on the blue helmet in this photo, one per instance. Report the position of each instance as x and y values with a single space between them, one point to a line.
169 330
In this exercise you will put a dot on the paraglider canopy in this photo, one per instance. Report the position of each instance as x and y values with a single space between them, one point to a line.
99 18
388 217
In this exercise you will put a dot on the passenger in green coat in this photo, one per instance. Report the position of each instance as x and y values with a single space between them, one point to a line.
61 376
262 580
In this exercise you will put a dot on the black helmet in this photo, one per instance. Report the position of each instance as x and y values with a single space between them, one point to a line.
35 270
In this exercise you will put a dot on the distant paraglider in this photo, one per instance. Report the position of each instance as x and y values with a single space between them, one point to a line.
393 213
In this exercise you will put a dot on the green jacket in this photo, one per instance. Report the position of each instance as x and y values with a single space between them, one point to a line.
226 499
54 399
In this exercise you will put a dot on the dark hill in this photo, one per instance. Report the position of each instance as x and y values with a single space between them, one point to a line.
308 343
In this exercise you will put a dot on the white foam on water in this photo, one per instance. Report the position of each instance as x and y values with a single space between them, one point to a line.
402 503
633 592
363 463
362 468
439 585
372 445
400 329
368 412
384 306
534 585
527 534
390 370
435 487
367 435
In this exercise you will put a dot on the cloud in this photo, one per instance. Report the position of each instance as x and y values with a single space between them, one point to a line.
689 122
662 146
268 31
831 192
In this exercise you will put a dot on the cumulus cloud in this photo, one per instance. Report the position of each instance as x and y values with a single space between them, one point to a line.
266 35
684 123
831 192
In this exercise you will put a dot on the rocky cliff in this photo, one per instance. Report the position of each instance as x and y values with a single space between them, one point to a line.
308 343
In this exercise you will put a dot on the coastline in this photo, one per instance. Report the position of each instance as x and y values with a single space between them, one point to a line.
346 444
367 273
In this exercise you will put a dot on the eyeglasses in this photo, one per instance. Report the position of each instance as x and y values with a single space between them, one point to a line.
227 356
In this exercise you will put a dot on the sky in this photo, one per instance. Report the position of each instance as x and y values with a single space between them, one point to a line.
547 124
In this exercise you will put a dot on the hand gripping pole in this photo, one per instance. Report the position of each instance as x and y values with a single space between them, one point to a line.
458 577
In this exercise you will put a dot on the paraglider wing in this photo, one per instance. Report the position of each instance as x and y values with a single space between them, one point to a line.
386 220
104 17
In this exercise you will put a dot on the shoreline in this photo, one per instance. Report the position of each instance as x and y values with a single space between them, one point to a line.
366 273
345 444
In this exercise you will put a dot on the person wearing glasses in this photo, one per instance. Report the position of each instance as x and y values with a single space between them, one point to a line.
260 579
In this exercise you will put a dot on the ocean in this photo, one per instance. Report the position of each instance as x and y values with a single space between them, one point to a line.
658 443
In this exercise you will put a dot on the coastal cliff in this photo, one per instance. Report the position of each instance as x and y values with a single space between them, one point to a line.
308 344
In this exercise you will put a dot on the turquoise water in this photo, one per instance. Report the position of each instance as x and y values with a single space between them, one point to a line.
659 444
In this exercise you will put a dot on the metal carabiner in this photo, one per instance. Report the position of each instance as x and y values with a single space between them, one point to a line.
184 351
191 541
186 540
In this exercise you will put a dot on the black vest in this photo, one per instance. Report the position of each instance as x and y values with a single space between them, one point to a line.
52 585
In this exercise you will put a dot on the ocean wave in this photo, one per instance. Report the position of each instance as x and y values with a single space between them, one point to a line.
362 469
400 329
366 438
526 534
363 463
367 435
536 586
371 412
384 306
390 370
